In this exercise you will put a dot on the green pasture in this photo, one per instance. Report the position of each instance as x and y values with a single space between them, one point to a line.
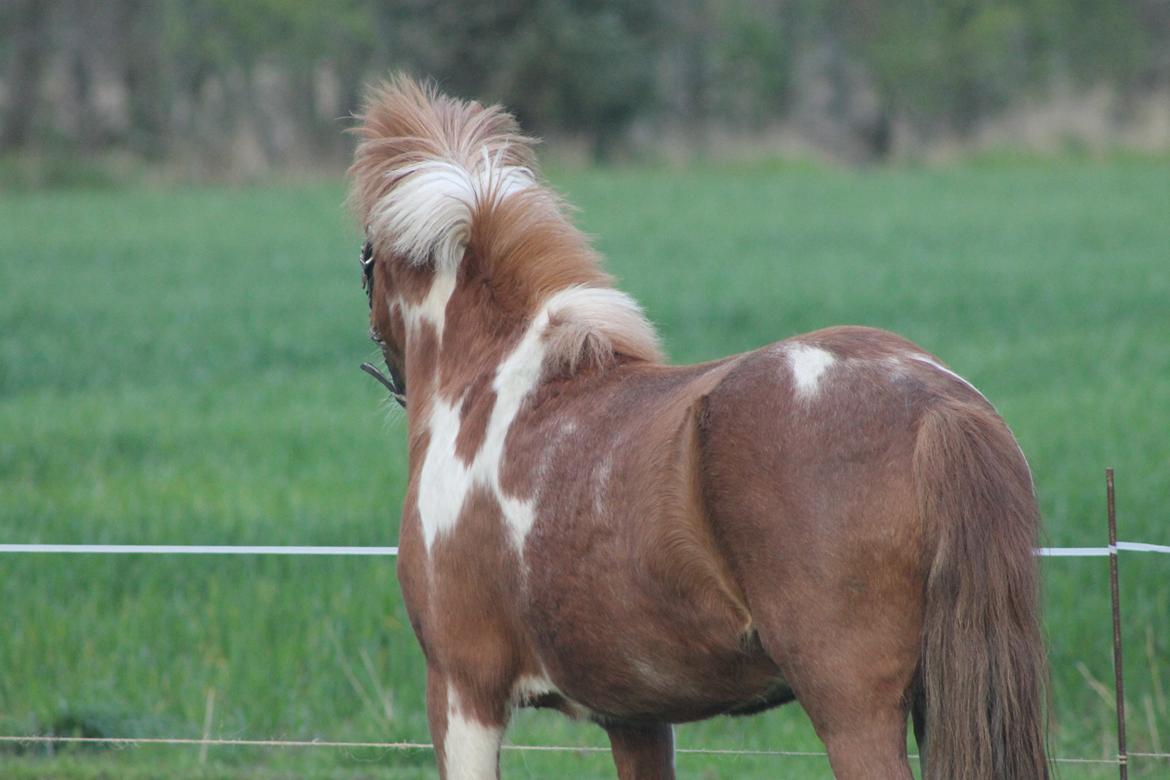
179 366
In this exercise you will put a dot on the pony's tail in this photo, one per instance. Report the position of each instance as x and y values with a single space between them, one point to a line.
982 681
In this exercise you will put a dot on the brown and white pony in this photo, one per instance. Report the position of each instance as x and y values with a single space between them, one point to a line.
836 518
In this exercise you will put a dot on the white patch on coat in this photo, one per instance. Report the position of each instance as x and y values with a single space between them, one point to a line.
445 481
520 516
808 364
470 749
433 307
428 211
515 378
530 687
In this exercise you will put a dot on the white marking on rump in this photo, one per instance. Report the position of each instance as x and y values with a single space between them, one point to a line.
428 211
470 749
808 365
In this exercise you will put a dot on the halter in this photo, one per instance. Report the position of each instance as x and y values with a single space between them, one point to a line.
393 383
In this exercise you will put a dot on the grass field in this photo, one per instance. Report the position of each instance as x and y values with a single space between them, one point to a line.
180 366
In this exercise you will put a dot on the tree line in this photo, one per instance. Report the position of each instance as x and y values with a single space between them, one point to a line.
270 82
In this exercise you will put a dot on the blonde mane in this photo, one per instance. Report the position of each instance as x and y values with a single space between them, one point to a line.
436 179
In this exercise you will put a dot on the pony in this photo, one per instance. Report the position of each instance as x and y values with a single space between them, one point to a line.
837 519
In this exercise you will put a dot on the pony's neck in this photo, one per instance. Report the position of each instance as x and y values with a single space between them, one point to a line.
463 346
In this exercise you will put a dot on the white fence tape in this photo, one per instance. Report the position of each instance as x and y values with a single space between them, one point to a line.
1143 547
193 549
1072 552
214 549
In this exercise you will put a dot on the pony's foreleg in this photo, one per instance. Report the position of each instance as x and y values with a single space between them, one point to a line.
643 752
466 734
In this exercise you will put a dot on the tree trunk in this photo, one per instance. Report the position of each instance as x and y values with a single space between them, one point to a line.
26 65
146 79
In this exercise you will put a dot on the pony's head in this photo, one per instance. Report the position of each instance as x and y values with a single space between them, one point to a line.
450 199
424 163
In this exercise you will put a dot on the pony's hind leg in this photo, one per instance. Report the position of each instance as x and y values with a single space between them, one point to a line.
466 734
847 640
875 748
853 682
643 751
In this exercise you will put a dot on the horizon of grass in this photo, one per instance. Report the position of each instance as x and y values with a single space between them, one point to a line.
66 170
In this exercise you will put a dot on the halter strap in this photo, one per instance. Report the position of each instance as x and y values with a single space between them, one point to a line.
366 258
392 382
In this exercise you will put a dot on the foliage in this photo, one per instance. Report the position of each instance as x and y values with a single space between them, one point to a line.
199 75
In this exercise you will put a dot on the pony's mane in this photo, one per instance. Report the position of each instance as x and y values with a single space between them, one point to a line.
436 179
